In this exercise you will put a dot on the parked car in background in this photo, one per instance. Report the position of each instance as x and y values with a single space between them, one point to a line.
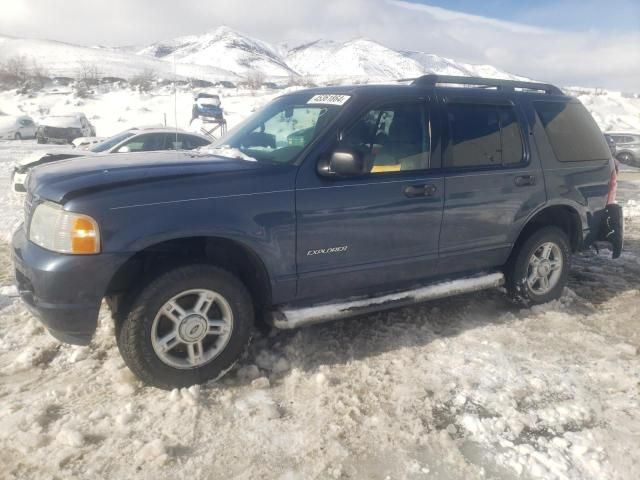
85 143
326 203
612 144
132 140
627 147
17 127
64 128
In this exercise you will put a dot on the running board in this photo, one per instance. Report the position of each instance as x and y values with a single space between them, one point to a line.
290 317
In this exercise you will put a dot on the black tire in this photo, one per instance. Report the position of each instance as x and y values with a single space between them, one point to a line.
40 140
517 268
627 159
17 136
134 333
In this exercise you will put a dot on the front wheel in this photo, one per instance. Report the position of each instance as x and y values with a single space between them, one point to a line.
18 136
539 270
188 326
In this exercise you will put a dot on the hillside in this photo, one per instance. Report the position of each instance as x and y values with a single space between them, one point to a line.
225 48
64 59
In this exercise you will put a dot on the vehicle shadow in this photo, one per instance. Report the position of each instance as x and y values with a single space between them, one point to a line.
595 279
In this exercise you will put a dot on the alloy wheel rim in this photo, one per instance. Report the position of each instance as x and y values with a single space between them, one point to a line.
192 328
545 268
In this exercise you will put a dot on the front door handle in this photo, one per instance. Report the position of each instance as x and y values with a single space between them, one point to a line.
413 191
524 180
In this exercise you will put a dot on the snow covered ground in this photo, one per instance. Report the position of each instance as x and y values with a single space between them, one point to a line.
460 388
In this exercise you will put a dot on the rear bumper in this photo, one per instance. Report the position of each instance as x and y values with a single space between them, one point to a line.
63 291
612 228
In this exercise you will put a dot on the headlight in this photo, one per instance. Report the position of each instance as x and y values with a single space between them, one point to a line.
64 232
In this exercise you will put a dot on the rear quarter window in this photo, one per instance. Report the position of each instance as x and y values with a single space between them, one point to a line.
572 132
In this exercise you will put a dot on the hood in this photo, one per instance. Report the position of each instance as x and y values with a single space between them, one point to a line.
66 179
38 158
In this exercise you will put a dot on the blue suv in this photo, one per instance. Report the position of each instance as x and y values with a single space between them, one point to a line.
326 203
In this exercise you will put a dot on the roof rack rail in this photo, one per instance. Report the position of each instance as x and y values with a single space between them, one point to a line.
506 85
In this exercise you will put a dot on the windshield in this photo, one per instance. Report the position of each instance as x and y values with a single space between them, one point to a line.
62 121
111 142
280 131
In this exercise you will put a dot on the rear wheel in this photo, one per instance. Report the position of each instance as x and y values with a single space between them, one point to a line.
627 159
538 271
188 326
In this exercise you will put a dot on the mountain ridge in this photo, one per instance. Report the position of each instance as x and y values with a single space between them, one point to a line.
225 53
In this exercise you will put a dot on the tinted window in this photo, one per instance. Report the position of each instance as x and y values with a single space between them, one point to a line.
146 143
572 132
483 135
393 138
189 142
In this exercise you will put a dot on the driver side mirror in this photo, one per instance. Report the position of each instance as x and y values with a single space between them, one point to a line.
344 163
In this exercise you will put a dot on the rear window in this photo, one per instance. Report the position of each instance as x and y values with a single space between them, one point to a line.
483 135
572 132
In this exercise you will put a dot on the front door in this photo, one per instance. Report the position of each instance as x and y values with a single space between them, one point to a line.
363 235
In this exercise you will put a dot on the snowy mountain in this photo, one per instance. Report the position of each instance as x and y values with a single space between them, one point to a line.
445 66
222 48
224 53
355 58
64 59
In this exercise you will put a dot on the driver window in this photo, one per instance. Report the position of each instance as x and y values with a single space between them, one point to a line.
394 138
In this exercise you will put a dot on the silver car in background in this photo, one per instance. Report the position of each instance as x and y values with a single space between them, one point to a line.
627 147
144 139
17 127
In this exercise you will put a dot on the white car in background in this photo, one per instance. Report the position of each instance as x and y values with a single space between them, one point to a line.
17 127
64 128
85 143
146 139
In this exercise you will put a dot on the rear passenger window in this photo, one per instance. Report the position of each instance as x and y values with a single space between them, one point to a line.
483 135
394 138
572 132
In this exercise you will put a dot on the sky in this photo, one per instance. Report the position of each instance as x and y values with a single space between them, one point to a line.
569 42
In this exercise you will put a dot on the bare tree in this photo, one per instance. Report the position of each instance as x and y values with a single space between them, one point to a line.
255 79
301 81
88 73
145 80
14 71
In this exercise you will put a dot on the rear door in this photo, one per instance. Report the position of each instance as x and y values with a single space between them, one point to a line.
492 180
360 235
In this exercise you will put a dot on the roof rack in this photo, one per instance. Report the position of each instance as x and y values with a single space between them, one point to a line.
506 85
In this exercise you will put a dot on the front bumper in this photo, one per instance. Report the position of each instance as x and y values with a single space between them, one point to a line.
63 291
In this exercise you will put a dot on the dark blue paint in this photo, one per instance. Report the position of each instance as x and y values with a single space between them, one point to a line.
282 212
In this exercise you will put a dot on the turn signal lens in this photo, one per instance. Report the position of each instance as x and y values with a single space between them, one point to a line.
84 236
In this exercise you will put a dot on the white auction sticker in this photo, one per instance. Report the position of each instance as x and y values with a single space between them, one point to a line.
328 99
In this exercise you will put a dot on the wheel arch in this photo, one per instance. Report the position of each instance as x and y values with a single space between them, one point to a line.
563 216
162 256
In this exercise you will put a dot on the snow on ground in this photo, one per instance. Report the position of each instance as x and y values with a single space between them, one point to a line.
460 388
112 110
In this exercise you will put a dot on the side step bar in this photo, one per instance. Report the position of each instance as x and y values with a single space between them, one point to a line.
291 317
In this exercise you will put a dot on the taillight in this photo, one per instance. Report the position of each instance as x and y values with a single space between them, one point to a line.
613 187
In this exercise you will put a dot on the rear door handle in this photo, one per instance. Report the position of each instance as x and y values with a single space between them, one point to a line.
524 180
413 191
